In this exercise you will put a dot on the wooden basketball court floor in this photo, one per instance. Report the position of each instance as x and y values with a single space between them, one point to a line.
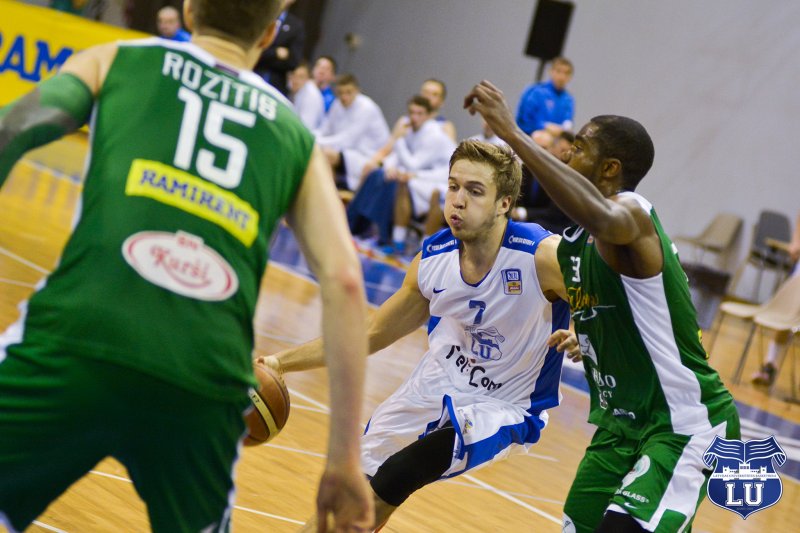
276 482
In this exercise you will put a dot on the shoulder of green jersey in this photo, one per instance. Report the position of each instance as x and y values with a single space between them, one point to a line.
641 200
209 60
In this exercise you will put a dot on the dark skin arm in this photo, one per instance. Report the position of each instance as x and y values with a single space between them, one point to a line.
622 229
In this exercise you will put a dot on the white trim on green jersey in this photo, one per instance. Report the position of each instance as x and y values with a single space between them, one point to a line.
648 303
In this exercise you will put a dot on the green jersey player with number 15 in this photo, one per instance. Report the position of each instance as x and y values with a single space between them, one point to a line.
139 344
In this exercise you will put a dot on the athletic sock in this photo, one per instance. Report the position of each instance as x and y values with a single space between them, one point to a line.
399 234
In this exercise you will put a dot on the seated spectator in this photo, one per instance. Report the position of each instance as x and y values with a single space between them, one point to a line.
534 205
548 105
436 92
307 98
352 132
168 21
780 342
403 182
324 74
286 51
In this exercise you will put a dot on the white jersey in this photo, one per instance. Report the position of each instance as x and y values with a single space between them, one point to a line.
491 338
488 370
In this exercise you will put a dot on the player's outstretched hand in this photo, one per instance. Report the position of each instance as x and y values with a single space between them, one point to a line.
489 101
565 341
344 495
272 362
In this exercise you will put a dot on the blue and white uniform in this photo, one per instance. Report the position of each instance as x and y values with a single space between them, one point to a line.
488 370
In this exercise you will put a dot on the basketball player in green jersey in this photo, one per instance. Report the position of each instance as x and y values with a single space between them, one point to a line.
139 344
656 401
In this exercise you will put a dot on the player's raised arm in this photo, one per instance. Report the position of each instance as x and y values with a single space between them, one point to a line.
319 224
405 311
608 220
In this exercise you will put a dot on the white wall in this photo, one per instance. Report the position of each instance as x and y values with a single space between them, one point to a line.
714 81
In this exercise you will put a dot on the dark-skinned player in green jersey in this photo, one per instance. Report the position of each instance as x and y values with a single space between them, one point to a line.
656 402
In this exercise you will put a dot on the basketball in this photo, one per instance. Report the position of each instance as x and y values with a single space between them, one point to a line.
270 407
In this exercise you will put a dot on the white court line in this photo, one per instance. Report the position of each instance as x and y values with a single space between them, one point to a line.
58 174
307 408
295 450
112 476
126 480
262 513
454 481
50 528
512 499
542 457
18 283
324 408
15 257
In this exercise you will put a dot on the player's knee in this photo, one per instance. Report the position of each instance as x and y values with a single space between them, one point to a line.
413 467
614 522
396 479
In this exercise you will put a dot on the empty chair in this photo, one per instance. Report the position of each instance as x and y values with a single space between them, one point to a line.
779 321
781 313
709 283
717 237
762 256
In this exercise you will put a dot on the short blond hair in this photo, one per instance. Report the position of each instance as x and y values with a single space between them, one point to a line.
507 168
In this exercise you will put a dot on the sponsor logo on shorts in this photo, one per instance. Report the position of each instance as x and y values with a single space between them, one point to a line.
639 469
180 263
744 480
468 424
633 496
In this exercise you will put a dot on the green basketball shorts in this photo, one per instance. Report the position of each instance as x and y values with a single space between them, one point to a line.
61 414
659 481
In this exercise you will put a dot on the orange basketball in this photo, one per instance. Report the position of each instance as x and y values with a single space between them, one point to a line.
270 407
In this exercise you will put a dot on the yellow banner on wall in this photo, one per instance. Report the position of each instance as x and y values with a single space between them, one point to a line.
36 41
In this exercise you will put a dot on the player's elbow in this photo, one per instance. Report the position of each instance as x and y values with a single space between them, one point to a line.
345 276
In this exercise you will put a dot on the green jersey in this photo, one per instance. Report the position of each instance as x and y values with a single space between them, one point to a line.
646 367
192 164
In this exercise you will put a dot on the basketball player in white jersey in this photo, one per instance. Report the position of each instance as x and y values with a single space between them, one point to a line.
492 294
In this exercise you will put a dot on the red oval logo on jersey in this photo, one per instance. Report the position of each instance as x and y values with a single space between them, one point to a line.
180 263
